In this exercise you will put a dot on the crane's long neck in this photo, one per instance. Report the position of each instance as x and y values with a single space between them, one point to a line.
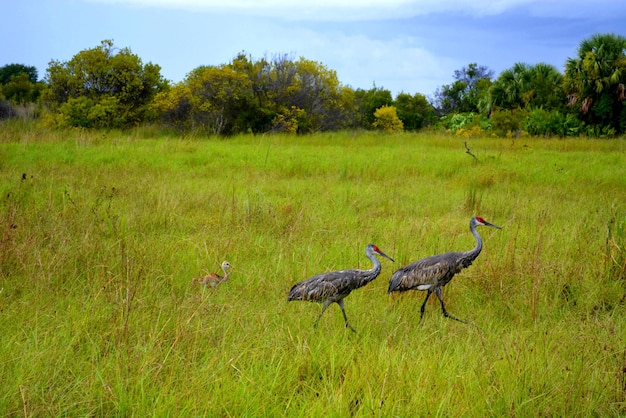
374 271
472 254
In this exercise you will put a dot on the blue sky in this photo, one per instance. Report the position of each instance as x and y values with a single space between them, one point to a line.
412 46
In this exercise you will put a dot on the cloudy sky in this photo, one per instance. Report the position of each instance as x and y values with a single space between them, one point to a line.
412 46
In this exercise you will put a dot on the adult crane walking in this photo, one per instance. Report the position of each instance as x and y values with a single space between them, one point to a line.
213 279
432 273
334 286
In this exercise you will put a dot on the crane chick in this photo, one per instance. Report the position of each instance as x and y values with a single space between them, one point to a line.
213 279
432 273
334 286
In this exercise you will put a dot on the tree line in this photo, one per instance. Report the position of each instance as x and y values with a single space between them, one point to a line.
110 87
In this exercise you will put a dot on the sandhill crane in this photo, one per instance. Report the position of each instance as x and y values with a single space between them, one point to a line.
213 279
432 273
334 286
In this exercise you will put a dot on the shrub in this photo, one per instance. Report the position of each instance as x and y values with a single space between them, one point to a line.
85 113
472 131
468 121
507 122
548 123
386 119
600 131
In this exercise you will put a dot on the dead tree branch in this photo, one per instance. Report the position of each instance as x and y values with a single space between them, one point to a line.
468 151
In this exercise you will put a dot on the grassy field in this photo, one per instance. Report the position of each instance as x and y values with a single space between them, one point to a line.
101 235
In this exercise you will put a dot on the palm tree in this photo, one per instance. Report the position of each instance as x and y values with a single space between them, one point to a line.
508 90
525 86
545 87
595 79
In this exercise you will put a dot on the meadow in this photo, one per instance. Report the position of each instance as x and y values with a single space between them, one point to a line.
102 233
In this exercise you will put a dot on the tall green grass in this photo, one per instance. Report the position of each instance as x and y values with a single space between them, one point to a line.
102 233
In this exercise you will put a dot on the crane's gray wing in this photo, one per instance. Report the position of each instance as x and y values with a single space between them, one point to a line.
425 273
334 285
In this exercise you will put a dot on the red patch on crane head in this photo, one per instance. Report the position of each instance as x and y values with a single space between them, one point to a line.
376 248
481 220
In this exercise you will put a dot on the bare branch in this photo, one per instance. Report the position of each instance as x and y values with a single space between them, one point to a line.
467 151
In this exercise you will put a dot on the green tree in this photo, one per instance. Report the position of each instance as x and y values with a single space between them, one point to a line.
317 91
546 88
464 94
414 111
303 92
305 85
10 70
19 85
525 86
218 95
113 81
348 111
367 102
265 95
258 96
20 90
595 81
174 108
261 111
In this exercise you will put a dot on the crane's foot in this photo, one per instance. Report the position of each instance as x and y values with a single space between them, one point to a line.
447 315
350 327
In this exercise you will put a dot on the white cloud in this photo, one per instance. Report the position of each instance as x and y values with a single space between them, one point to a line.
411 55
398 64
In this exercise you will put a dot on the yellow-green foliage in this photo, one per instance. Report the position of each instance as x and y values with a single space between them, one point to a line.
102 87
470 132
288 120
386 119
101 234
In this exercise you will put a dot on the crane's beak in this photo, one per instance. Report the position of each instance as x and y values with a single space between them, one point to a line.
492 225
386 256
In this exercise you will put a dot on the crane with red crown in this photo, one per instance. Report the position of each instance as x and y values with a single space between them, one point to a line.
334 286
434 272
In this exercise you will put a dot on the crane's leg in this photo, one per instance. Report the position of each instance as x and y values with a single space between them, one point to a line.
326 305
424 305
443 308
340 303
